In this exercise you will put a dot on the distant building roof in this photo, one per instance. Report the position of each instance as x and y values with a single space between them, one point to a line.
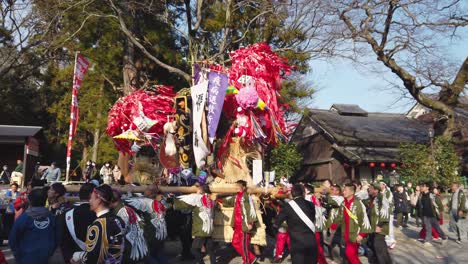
19 131
17 134
349 109
375 129
361 138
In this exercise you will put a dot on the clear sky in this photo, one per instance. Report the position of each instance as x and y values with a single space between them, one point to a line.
342 82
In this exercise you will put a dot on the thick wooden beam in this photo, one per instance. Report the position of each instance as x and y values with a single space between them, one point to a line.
224 189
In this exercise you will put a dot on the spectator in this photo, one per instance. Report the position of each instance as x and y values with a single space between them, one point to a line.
34 236
56 197
457 210
17 174
106 173
414 200
5 175
21 202
37 173
430 213
116 173
88 171
52 174
11 195
401 206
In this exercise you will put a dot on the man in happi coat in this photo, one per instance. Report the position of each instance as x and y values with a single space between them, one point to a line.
75 223
320 221
136 247
387 197
105 237
243 221
379 213
202 220
354 223
153 211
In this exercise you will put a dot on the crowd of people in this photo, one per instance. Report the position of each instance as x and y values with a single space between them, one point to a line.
107 226
360 219
108 173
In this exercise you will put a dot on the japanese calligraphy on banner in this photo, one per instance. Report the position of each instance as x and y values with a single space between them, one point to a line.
81 67
200 151
217 85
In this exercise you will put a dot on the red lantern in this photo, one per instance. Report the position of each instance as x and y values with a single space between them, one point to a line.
372 164
393 165
382 165
345 165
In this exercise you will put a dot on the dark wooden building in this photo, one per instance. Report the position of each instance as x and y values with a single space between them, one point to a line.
19 143
346 143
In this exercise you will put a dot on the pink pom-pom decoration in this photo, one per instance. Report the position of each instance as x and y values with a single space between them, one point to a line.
247 98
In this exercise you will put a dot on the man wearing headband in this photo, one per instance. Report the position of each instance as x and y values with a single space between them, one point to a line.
105 237
354 223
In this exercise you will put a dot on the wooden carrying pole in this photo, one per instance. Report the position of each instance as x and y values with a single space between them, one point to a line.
225 189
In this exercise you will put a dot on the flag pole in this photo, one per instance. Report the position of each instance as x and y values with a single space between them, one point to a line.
72 123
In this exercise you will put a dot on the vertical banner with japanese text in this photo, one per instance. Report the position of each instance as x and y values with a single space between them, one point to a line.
81 67
200 150
217 85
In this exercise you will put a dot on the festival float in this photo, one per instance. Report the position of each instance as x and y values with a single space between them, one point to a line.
229 117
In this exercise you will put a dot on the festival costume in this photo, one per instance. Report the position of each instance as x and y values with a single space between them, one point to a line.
333 203
387 197
379 215
320 222
136 247
282 238
353 221
155 228
243 215
300 216
75 224
202 222
104 241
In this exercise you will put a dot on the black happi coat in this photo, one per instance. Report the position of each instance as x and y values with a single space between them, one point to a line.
105 240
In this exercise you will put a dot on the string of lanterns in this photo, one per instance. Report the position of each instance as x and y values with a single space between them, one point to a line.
383 165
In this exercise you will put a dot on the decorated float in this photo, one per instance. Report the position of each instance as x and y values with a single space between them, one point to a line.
210 132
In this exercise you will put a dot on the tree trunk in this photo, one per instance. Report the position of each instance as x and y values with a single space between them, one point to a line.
96 135
129 77
84 158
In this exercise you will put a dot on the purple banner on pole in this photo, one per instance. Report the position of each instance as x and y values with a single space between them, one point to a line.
196 74
217 84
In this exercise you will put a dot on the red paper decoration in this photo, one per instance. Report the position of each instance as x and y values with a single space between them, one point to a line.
156 105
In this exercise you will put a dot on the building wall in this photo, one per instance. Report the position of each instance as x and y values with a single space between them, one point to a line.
317 151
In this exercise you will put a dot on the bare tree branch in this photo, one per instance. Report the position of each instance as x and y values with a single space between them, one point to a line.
132 38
